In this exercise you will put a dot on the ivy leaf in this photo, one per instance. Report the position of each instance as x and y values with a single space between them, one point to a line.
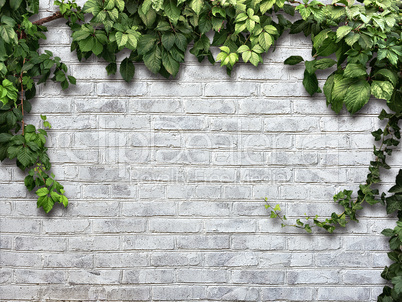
397 282
172 11
310 82
398 186
382 89
127 69
170 64
354 71
388 74
42 192
293 60
168 40
265 40
15 4
266 5
324 63
64 200
342 32
327 48
357 95
153 59
196 6
46 203
24 157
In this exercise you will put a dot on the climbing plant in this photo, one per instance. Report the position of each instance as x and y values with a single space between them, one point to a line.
359 42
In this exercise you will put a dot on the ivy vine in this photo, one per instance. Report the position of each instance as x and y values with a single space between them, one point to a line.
359 42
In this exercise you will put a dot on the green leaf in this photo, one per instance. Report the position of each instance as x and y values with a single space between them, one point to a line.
327 48
324 63
64 200
341 85
388 232
397 282
171 10
153 60
5 137
168 39
310 82
127 69
181 41
46 203
265 40
398 186
42 192
357 95
24 157
382 89
15 4
196 6
354 71
293 60
266 5
170 64
387 74
342 32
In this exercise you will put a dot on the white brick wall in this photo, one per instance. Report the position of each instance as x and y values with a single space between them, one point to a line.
166 181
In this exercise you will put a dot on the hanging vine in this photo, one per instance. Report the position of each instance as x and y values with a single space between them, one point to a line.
359 42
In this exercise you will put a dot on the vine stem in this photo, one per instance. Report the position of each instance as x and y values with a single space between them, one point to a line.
55 16
22 90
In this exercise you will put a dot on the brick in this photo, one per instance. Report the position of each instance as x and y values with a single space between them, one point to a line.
175 225
258 277
155 105
104 106
226 293
210 106
94 243
232 89
292 293
39 276
154 276
168 89
313 277
170 259
15 225
23 243
65 260
343 293
121 89
206 209
203 242
130 293
148 242
178 292
146 208
230 225
125 259
118 225
179 123
258 242
230 259
362 277
94 277
202 276
20 259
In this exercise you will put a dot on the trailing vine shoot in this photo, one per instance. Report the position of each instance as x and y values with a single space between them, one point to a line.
359 42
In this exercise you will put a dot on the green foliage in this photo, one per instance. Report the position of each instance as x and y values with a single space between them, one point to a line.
359 42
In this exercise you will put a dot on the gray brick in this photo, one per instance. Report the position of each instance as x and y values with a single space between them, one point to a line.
154 276
129 293
40 276
225 293
230 89
122 89
203 242
313 277
175 259
148 242
178 292
15 225
125 259
202 276
258 242
23 243
164 225
145 209
235 225
94 243
94 277
119 225
258 277
230 259
292 294
77 260
168 89
343 293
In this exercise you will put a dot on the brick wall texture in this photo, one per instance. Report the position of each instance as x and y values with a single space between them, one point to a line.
166 180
